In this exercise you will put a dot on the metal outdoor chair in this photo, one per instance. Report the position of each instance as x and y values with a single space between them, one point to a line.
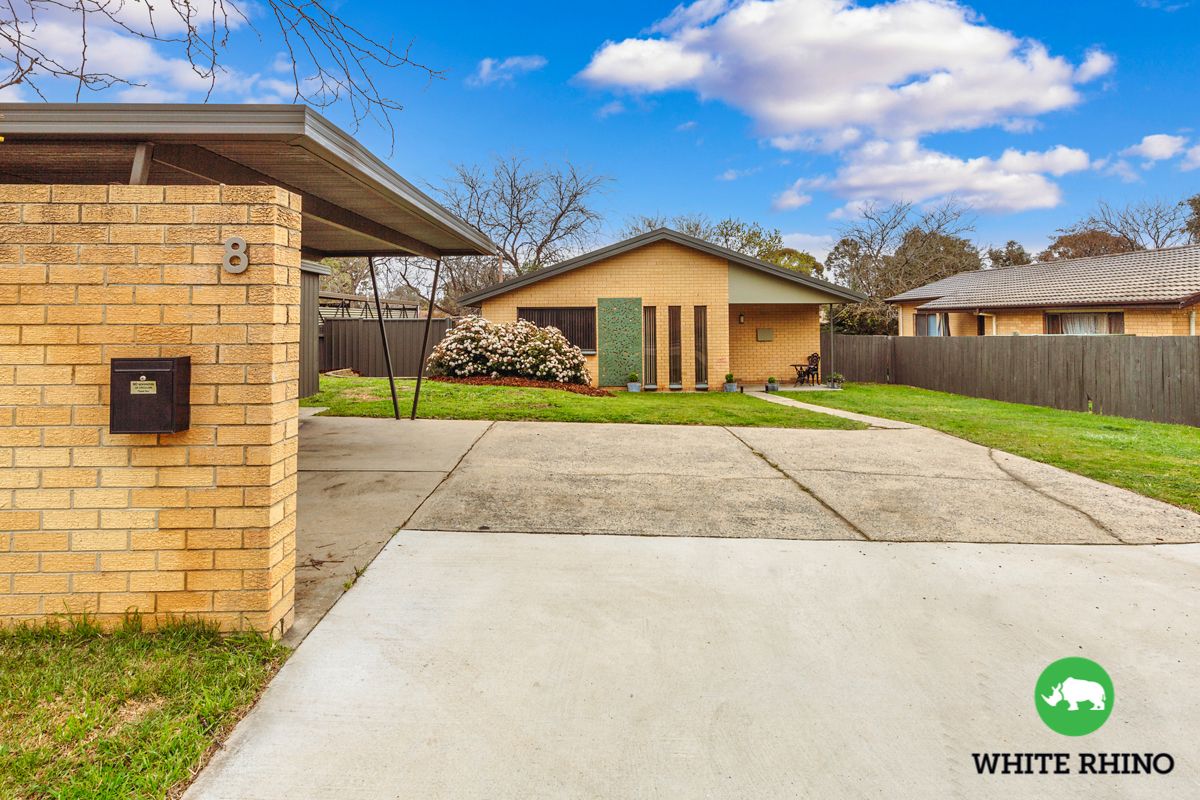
808 372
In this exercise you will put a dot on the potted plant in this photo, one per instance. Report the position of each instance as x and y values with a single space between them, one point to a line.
632 384
772 386
835 380
730 383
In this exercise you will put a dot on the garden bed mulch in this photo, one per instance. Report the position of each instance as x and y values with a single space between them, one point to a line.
526 383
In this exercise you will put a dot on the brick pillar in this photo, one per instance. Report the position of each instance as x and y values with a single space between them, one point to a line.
199 523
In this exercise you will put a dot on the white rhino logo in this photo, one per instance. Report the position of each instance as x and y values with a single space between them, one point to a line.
1075 691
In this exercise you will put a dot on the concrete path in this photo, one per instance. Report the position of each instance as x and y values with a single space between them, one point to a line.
469 665
359 480
902 483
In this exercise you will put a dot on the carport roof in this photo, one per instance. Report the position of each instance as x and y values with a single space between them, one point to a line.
353 203
658 235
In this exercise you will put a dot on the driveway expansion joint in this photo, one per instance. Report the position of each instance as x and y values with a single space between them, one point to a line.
1038 490
837 514
447 474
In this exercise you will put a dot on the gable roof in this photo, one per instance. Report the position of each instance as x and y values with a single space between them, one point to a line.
661 235
1166 277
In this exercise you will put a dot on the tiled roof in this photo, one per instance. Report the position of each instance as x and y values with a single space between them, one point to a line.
1170 276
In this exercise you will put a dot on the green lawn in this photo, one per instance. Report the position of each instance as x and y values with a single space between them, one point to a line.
369 397
1150 458
123 715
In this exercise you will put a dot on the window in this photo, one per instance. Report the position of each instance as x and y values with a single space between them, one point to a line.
701 339
577 324
1085 323
675 347
933 324
649 347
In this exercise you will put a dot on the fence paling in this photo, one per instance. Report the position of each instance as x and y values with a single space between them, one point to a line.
355 344
1154 378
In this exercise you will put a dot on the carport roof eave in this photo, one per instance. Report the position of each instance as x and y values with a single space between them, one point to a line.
290 125
843 294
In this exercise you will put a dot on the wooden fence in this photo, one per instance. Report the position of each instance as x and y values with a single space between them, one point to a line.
355 344
1154 378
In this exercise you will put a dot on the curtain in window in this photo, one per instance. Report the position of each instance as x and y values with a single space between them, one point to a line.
1084 324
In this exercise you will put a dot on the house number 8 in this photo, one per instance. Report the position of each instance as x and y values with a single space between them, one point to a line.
235 260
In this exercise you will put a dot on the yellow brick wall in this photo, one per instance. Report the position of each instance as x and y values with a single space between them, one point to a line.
961 323
662 274
196 523
797 333
1138 322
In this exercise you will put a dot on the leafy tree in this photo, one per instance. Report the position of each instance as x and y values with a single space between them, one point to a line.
750 238
891 249
1012 254
1192 224
1085 243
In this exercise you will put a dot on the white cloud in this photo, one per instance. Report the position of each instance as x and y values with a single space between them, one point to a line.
1057 161
502 71
829 68
1191 159
905 170
791 198
1157 147
610 109
1095 64
1117 167
687 126
817 244
733 174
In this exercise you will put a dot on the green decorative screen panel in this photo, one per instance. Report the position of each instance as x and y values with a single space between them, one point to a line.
619 324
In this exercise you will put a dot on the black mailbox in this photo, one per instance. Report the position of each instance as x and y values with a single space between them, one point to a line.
150 395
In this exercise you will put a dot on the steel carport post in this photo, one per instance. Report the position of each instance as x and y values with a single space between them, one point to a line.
387 353
437 269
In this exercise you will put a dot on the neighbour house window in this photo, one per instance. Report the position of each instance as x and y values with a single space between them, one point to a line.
933 324
1085 323
649 347
675 347
577 324
701 339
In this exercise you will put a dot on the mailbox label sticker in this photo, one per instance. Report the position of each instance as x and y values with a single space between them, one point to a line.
143 387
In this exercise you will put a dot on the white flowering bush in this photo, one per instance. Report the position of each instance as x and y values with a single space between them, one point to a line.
476 347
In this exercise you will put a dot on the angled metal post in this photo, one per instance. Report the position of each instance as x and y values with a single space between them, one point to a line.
387 353
437 271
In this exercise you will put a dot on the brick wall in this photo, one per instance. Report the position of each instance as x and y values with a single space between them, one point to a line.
797 333
197 523
662 274
1138 322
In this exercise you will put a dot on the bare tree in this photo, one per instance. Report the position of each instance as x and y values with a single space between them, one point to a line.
537 216
331 59
1146 225
891 249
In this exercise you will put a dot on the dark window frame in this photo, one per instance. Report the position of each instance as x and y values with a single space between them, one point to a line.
675 347
649 347
577 323
1052 322
921 322
700 340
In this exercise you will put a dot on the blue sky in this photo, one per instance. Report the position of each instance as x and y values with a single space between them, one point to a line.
791 112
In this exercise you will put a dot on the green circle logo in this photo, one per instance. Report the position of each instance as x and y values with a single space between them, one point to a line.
1074 696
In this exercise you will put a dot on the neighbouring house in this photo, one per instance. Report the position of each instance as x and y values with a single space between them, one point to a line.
185 237
1146 293
679 311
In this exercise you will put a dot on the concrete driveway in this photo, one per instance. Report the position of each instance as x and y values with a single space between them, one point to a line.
896 484
493 665
709 650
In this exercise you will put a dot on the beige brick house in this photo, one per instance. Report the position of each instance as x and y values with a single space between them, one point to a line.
116 228
1144 293
679 311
